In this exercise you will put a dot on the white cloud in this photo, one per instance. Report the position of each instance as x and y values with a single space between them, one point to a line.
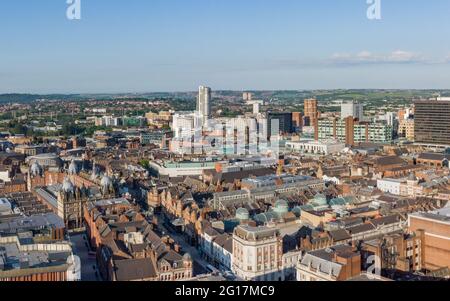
367 57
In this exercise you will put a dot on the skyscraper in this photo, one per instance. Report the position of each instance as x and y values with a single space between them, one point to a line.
204 102
432 122
311 112
352 109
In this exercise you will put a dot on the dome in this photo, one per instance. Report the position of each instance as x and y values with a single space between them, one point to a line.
67 185
320 200
35 169
187 257
242 214
267 217
281 207
73 168
297 211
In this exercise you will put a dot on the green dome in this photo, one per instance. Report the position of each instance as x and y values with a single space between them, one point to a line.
281 207
242 214
320 200
297 211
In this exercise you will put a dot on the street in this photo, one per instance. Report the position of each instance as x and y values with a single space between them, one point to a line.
200 265
89 271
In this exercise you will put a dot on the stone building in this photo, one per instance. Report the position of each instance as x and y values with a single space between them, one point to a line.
257 253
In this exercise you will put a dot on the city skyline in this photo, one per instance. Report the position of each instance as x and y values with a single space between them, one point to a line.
176 45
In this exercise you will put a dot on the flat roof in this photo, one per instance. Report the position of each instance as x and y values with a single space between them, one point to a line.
442 215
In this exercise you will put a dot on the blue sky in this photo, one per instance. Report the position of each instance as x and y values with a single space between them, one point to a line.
176 45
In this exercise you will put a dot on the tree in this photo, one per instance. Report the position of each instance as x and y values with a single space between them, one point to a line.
71 129
145 163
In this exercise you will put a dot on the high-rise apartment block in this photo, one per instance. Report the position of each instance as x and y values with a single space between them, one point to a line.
204 101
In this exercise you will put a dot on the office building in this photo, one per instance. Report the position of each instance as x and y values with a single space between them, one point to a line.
352 109
432 122
282 119
352 131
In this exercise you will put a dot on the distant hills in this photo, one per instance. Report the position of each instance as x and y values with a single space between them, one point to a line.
358 94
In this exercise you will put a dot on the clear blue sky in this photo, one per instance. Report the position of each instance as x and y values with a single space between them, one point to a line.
176 45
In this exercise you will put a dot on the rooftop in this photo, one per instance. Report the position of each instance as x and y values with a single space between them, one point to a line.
442 215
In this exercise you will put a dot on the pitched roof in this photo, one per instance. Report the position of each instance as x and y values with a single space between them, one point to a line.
361 229
171 257
388 160
387 220
339 235
134 269
433 156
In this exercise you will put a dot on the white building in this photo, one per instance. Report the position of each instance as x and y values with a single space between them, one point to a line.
185 123
108 121
217 248
257 254
315 147
181 169
204 102
390 118
352 109
290 260
256 105
391 186
410 187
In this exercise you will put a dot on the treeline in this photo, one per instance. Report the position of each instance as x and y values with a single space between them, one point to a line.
27 98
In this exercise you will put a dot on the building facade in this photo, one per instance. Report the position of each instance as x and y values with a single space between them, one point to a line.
352 131
204 101
436 237
432 122
352 109
311 112
257 254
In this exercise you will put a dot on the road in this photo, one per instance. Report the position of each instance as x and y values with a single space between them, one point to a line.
89 270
